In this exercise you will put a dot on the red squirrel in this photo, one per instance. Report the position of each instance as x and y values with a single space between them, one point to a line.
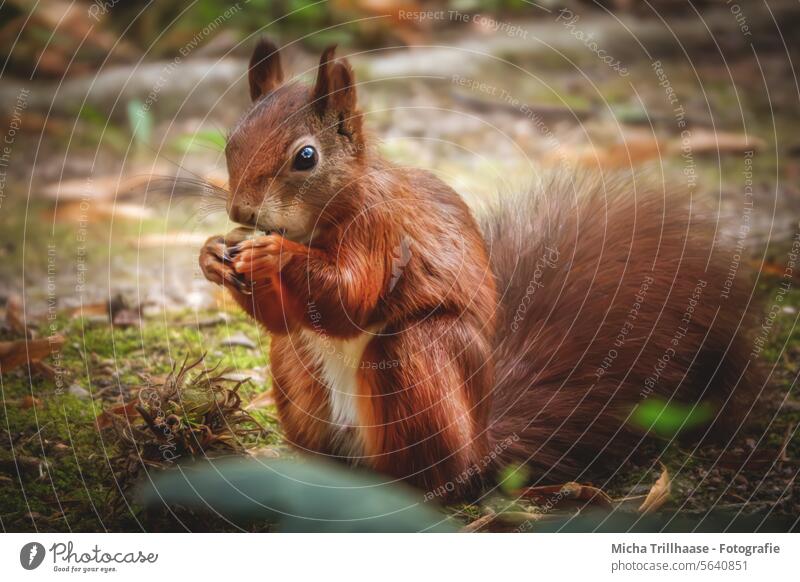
410 339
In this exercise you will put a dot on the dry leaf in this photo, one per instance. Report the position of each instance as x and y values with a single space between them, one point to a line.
16 353
90 309
15 318
23 403
69 18
96 187
659 493
568 491
632 152
44 370
265 452
702 141
479 523
29 402
783 456
74 211
106 418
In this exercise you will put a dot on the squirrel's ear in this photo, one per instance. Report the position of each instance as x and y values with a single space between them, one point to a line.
335 87
266 72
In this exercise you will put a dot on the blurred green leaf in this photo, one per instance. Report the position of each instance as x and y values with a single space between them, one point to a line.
302 495
512 478
100 130
211 139
630 113
464 5
141 122
669 418
92 116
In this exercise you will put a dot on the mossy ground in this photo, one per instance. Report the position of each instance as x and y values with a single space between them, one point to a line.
66 482
71 486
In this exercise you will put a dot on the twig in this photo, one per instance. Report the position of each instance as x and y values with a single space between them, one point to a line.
787 438
33 436
479 523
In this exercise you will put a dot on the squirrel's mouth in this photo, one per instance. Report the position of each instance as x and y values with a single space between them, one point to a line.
293 234
293 226
280 231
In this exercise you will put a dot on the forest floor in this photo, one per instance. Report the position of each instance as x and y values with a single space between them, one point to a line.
60 472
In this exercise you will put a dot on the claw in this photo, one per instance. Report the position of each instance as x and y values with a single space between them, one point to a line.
241 283
237 283
242 287
217 253
230 252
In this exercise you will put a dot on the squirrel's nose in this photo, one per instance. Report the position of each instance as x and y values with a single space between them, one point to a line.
242 215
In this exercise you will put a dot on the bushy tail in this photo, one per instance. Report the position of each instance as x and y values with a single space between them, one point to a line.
614 294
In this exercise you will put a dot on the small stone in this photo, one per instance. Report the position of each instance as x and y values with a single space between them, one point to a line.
79 391
239 339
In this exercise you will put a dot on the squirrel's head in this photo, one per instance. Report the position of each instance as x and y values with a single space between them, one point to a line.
296 151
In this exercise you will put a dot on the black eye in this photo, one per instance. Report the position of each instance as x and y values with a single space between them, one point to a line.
305 159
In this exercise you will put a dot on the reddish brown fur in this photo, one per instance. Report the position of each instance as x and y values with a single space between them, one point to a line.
445 379
567 417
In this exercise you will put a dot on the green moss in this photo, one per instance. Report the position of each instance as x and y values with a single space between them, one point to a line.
75 487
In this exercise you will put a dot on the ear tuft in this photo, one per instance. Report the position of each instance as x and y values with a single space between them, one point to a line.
334 89
322 86
342 80
265 72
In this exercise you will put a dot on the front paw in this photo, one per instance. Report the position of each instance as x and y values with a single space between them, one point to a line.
262 258
217 267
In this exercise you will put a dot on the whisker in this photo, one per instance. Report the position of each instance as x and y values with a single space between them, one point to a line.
205 211
186 187
161 154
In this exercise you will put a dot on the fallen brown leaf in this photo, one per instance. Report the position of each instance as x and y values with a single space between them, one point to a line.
570 491
23 403
16 353
96 188
44 370
74 211
659 493
265 452
90 309
106 418
15 319
69 18
479 523
703 141
783 456
29 402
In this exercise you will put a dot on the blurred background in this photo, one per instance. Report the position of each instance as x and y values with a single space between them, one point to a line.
105 102
101 96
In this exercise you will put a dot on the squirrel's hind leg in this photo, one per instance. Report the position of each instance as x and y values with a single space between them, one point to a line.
422 412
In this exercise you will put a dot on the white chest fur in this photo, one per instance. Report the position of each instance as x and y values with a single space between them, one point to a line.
338 363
